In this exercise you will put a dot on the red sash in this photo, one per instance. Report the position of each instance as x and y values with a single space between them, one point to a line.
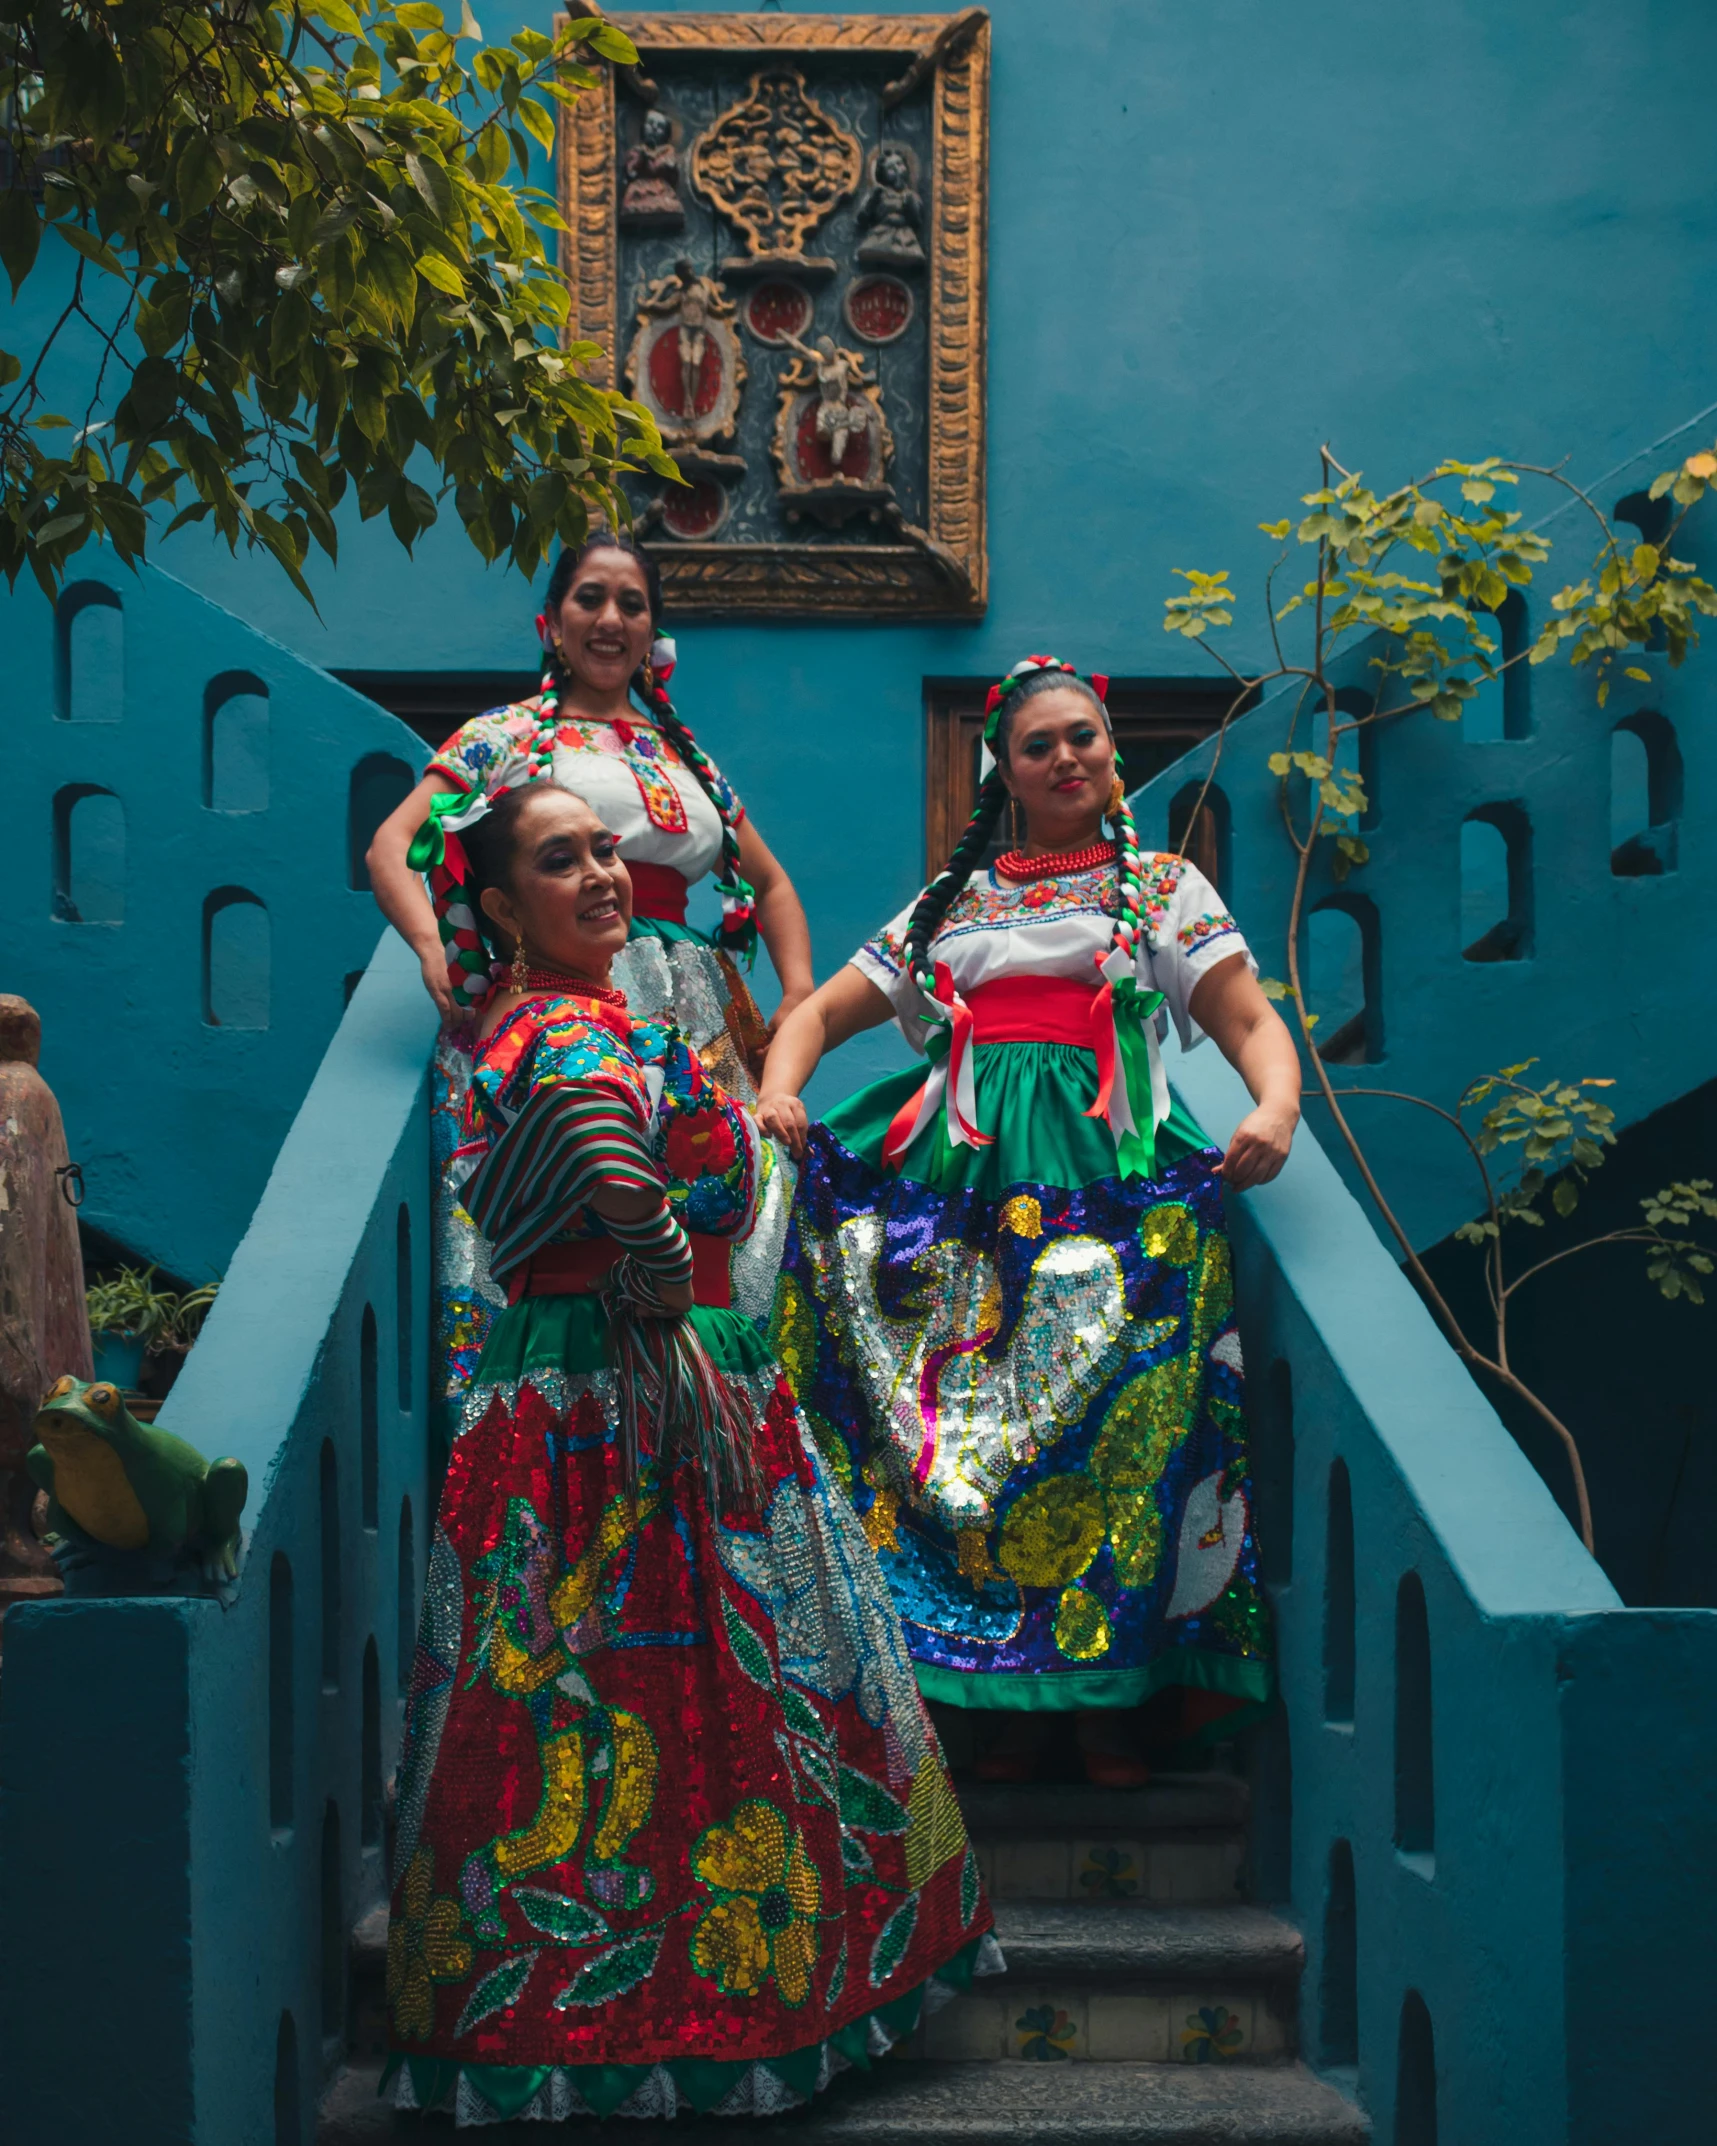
658 892
579 1268
1034 1009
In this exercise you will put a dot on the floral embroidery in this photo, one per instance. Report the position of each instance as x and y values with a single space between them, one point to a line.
763 1921
426 1944
700 1142
1214 924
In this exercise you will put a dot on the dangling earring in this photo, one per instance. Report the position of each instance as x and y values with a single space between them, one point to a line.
1117 796
1013 821
521 973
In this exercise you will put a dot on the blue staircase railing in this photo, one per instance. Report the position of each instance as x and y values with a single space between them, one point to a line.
1483 1800
190 1794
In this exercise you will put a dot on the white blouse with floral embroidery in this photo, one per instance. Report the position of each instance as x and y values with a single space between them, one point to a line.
1063 926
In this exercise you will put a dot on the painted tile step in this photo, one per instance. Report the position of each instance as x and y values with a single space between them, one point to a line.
1180 1804
967 2105
1086 1868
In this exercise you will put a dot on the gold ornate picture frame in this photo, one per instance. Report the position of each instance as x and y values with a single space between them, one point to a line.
819 536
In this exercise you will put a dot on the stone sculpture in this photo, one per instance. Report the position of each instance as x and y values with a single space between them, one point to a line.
44 1329
891 210
651 200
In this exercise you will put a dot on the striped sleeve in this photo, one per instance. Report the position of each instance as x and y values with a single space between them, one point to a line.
569 1140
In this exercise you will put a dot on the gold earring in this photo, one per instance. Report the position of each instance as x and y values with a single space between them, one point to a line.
1117 796
521 974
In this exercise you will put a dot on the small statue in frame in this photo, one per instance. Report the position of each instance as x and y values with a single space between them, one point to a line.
891 210
651 201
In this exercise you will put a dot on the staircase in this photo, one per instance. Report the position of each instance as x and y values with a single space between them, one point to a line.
1145 2002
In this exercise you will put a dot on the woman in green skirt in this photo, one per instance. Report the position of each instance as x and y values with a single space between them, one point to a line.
1007 1302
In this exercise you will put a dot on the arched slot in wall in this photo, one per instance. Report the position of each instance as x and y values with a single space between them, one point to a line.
235 743
1351 702
369 1457
329 1546
370 1755
1338 1599
89 856
1502 707
1496 884
1645 520
89 654
236 958
288 2123
1273 1472
1341 968
333 1927
405 1642
1415 2076
1415 1798
379 783
1201 832
402 1301
1645 796
1338 1979
280 1698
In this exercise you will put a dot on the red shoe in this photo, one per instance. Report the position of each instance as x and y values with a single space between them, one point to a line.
1107 1750
1114 1769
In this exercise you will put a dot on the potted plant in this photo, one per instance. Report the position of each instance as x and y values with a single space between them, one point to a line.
141 1330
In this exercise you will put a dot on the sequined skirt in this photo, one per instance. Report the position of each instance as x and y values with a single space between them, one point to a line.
1027 1375
665 969
674 1828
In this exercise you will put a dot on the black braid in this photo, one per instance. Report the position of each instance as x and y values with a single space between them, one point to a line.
939 896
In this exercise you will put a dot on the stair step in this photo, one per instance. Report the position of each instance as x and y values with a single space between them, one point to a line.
1180 1804
1117 1941
933 2104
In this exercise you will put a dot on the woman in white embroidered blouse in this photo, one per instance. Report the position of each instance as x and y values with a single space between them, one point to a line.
1007 1302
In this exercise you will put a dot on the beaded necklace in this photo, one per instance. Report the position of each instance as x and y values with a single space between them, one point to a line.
1014 865
564 981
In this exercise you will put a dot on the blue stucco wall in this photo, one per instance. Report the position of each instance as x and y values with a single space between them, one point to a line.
1218 236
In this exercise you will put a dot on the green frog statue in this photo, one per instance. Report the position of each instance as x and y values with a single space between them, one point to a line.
132 1505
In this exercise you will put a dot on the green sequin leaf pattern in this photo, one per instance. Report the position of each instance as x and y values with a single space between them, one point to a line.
892 1941
838 1980
613 1973
802 1717
819 1772
499 1988
749 1651
568 1922
867 1805
856 1859
969 1886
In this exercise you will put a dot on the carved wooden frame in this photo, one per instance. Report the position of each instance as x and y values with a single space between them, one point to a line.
941 571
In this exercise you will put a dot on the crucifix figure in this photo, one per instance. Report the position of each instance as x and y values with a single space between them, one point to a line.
841 410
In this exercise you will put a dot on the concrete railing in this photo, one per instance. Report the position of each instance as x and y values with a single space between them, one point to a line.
191 1794
1482 1797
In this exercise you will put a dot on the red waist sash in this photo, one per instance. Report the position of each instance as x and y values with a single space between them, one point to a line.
580 1268
1034 1009
658 892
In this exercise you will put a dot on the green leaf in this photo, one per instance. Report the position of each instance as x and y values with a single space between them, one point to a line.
893 1940
1644 561
747 1649
498 1989
441 274
614 45
337 15
430 178
802 1718
1633 671
20 234
568 1922
612 1974
536 122
868 1806
94 250
10 368
197 174
1566 1196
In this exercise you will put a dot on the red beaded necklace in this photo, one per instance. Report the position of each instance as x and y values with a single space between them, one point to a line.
562 981
1057 864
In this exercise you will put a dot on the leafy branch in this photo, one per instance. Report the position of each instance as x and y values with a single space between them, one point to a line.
1417 576
292 230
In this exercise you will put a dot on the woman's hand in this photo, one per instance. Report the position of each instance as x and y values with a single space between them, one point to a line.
781 1116
1259 1148
433 962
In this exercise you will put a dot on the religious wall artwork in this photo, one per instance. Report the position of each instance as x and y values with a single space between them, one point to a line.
651 199
776 224
686 367
832 442
892 210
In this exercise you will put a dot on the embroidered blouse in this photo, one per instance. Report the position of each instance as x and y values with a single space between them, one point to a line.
627 772
565 1094
1060 927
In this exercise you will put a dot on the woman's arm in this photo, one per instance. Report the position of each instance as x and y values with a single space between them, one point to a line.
780 922
845 1006
399 891
1228 1005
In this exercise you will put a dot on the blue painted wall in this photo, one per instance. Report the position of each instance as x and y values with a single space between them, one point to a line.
1218 236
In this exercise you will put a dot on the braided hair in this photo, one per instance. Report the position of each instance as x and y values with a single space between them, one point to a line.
738 932
1038 674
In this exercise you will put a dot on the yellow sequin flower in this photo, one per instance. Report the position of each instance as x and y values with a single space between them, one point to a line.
1022 1216
763 1921
426 1944
1082 1628
1053 1532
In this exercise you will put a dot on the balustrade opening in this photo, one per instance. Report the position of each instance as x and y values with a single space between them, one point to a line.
1416 2076
1645 796
1341 973
1338 1599
1415 1800
405 1641
379 784
333 1928
235 743
288 2121
236 957
370 1755
369 1483
89 856
1338 1981
1496 884
402 1302
280 1695
89 654
329 1546
1501 709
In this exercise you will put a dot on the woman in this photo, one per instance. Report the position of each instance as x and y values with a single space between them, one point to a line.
676 819
1006 1305
673 1826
